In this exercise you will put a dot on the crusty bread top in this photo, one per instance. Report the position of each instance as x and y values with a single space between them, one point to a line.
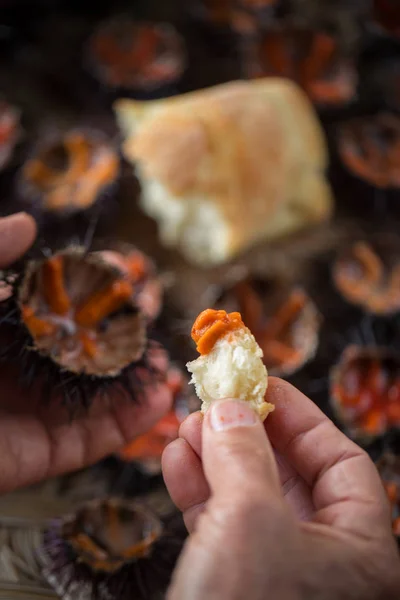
235 142
254 149
134 116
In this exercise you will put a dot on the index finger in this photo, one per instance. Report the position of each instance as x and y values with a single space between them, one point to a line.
347 490
17 234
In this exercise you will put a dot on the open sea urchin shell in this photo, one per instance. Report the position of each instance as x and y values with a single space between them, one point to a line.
109 549
368 275
313 59
365 391
285 324
69 173
370 149
126 54
74 316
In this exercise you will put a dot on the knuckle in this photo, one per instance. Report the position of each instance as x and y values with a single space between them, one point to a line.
251 510
248 460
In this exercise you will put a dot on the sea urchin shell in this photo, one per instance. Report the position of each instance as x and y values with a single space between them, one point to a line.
311 58
368 278
365 390
76 315
69 173
287 331
370 149
131 55
109 549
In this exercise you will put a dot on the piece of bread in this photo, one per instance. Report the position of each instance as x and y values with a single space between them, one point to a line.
230 362
225 167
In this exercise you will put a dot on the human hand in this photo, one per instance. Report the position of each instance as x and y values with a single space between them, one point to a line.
38 441
299 513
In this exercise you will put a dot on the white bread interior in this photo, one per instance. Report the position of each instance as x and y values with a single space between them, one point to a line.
233 369
225 167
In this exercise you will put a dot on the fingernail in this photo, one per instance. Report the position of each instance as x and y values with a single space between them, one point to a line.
227 414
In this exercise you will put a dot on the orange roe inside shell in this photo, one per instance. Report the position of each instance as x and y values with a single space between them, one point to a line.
212 325
366 388
79 312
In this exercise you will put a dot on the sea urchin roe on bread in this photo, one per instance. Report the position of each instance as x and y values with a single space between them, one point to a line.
230 363
211 325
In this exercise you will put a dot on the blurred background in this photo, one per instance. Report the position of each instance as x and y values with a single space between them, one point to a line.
322 301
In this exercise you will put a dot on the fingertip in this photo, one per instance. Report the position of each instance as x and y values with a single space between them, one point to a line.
136 418
171 456
158 358
17 234
17 216
158 400
25 223
190 430
293 410
183 475
192 421
280 392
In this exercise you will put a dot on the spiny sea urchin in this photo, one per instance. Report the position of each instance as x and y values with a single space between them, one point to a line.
73 324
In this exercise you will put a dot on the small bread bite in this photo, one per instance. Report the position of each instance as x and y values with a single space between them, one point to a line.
230 363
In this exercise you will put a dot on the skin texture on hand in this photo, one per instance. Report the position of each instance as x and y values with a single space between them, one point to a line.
38 441
288 510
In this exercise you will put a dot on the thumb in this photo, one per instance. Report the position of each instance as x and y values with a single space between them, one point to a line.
236 453
243 517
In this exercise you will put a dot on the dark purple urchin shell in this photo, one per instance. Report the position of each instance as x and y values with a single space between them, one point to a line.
110 550
71 325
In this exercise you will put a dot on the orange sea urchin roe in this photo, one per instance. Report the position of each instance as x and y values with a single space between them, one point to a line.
367 389
211 325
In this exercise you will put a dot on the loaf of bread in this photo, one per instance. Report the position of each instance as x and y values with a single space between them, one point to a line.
230 362
225 167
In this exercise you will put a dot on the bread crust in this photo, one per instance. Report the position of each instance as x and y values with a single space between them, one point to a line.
253 152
